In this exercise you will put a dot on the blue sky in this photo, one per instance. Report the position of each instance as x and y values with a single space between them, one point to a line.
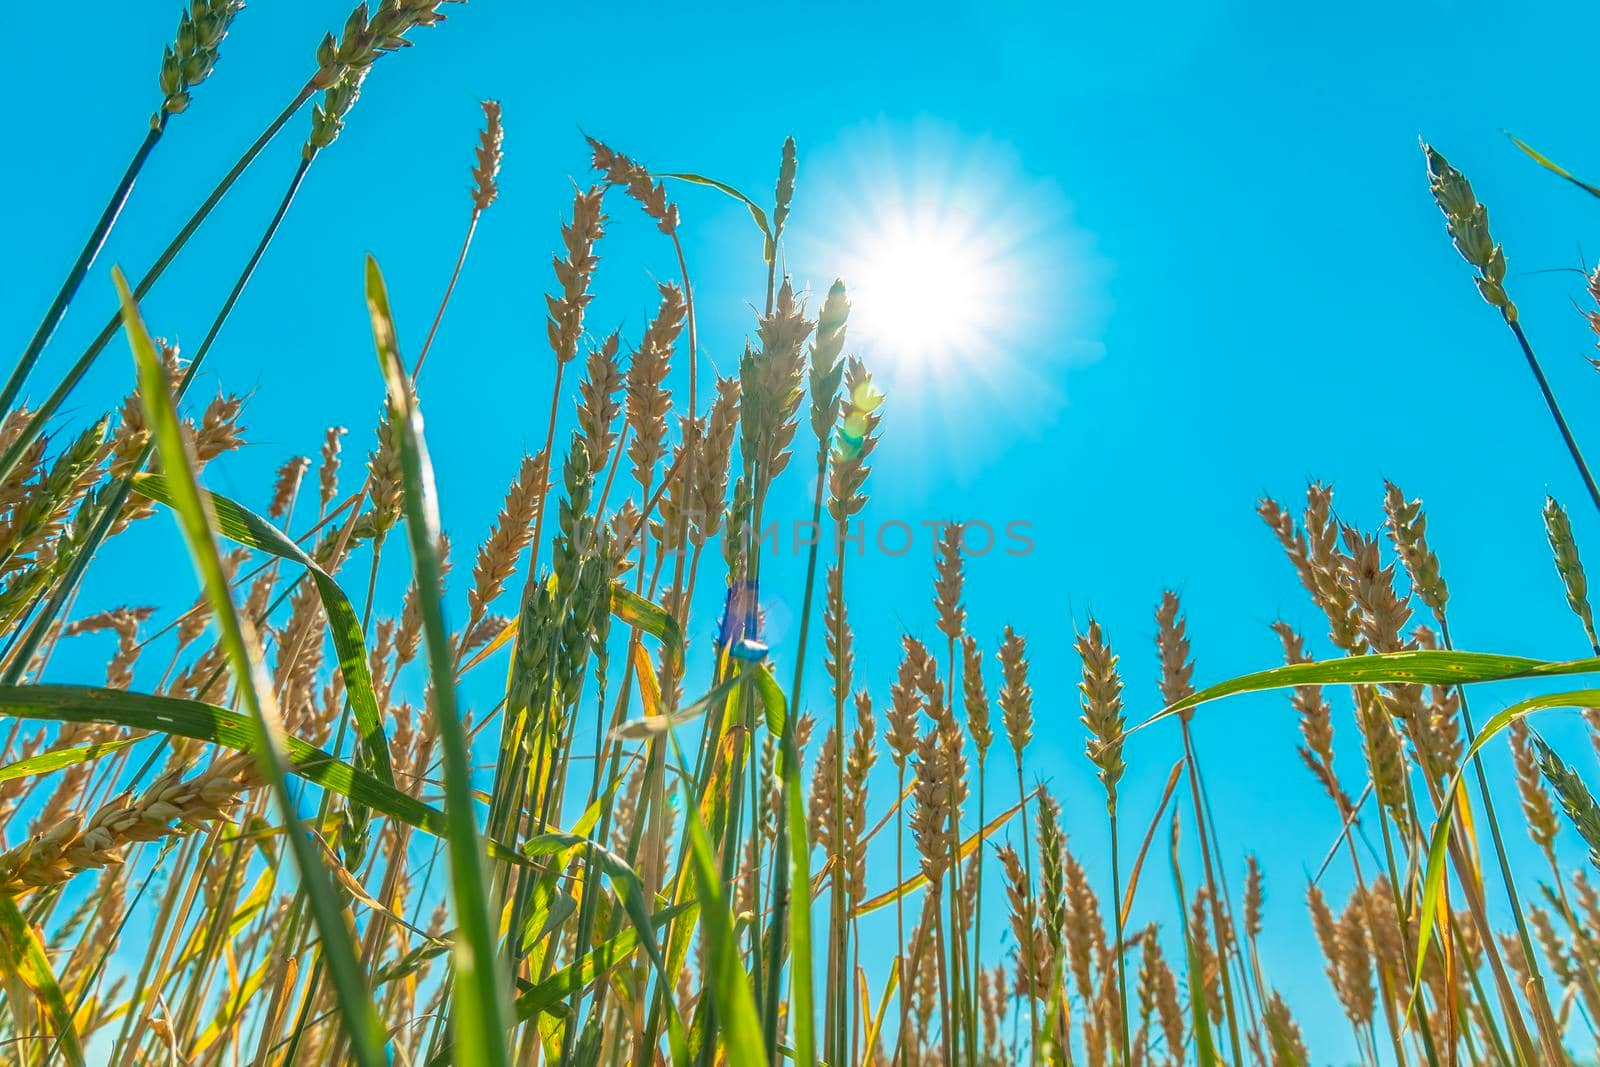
1229 279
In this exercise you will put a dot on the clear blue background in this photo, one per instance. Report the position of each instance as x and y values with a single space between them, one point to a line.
1242 284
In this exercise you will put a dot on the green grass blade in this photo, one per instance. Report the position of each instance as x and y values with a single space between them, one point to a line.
756 211
653 619
774 705
729 984
653 725
60 758
580 973
624 879
219 726
1553 167
1439 837
1205 1046
245 527
23 961
253 687
801 1009
479 1002
1418 667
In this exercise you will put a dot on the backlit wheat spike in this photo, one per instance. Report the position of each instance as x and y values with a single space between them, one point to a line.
926 670
625 807
189 60
511 533
783 193
838 641
1316 717
969 889
1067 904
975 698
1385 757
902 715
1344 948
132 434
1588 898
219 430
1254 897
827 370
1385 938
1516 959
299 642
1326 927
1537 808
674 504
820 805
770 381
1593 316
1172 645
13 487
598 403
566 306
853 442
862 755
652 197
366 38
384 482
648 400
409 635
1101 700
991 1006
1468 223
485 172
45 503
119 671
1576 800
1384 614
1158 996
328 467
1408 530
1207 959
1554 948
951 613
711 472
1016 695
1355 960
744 898
1085 935
934 796
328 114
1314 551
1033 946
1569 566
1288 1047
77 843
286 486
343 63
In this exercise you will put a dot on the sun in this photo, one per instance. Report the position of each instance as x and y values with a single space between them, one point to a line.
928 284
971 285
940 240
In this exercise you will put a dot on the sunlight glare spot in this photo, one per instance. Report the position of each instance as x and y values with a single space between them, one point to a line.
926 287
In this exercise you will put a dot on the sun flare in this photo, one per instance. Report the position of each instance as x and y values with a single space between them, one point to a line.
928 285
944 241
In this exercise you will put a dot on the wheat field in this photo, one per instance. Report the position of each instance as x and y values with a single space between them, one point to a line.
277 832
